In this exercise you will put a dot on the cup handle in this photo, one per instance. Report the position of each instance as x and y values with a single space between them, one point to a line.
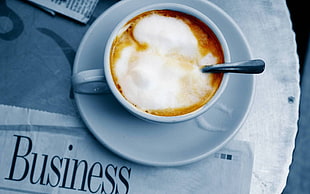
90 82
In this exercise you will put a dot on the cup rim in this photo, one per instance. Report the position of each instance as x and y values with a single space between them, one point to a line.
155 118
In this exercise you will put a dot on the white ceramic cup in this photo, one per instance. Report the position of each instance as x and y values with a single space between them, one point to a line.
98 81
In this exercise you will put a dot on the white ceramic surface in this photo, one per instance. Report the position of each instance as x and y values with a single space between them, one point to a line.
133 109
163 144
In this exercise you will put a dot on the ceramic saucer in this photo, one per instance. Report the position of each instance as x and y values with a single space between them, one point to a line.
163 144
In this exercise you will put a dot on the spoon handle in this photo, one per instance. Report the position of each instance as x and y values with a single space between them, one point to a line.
250 67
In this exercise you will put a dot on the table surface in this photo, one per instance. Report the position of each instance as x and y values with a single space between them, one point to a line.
271 126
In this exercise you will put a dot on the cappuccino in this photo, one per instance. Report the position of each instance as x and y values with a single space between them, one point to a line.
156 58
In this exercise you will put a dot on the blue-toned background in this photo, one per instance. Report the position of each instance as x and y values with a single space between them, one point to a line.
48 64
299 177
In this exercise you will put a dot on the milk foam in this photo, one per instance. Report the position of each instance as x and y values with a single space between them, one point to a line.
166 34
166 74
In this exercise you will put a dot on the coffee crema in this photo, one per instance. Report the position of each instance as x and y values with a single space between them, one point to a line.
156 59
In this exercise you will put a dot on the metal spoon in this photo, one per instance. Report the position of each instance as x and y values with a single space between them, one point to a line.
255 66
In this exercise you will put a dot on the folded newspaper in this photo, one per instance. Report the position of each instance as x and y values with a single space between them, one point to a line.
76 9
37 157
45 152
